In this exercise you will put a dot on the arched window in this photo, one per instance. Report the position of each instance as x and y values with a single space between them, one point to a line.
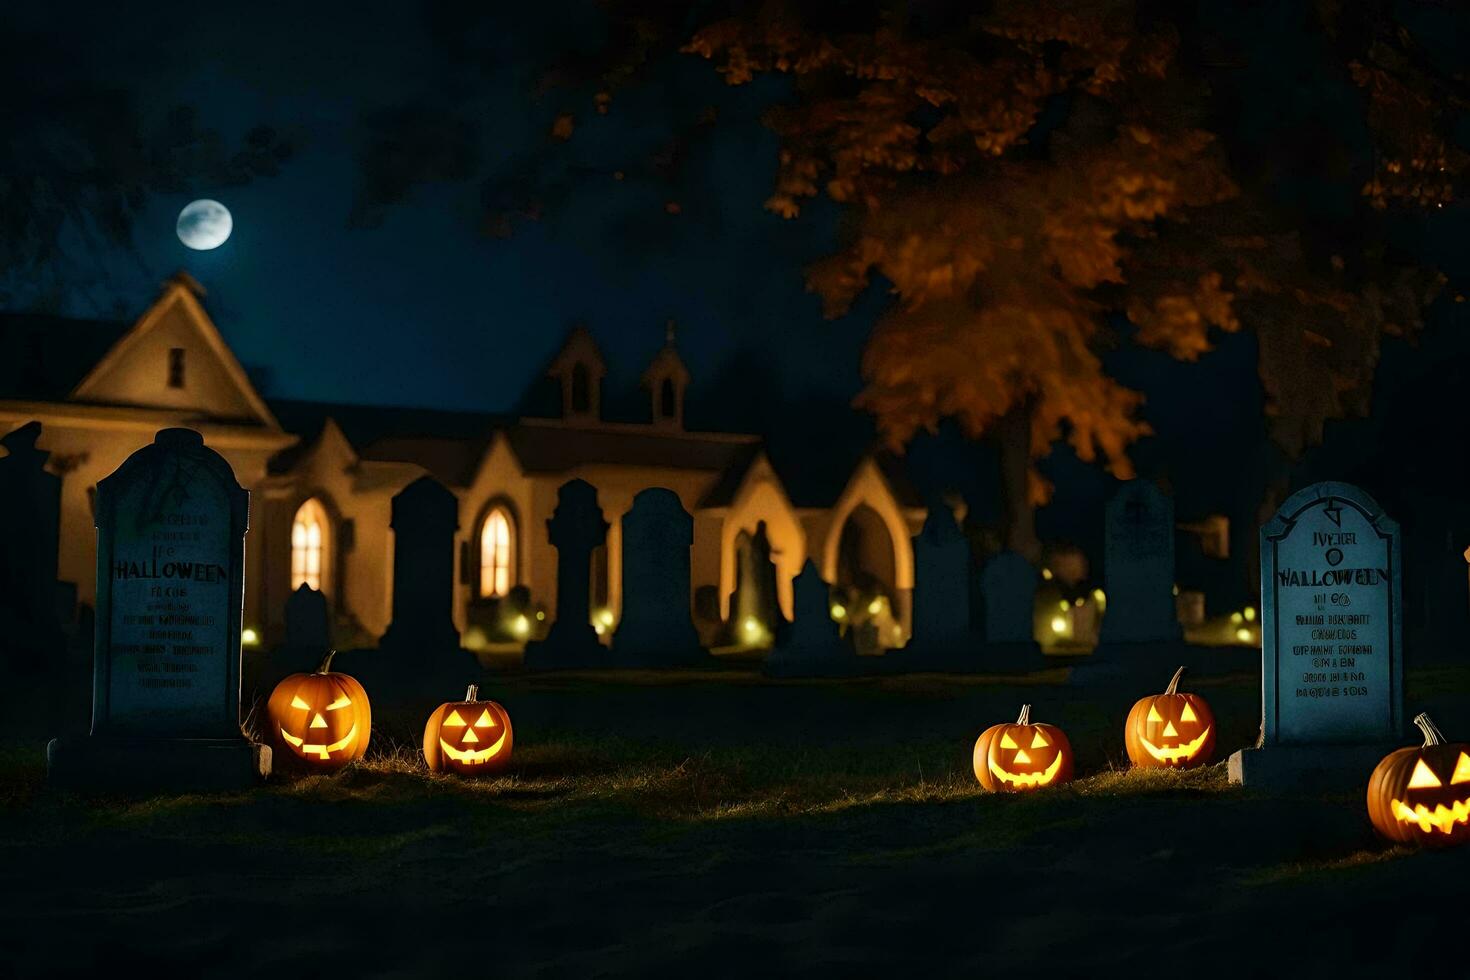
666 399
310 535
497 554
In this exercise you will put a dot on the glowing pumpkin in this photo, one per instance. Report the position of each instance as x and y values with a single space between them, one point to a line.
322 720
1022 757
469 737
1170 730
1422 796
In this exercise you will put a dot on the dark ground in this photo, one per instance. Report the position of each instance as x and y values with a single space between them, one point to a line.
718 825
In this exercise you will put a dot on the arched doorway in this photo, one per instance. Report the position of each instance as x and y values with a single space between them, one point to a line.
868 600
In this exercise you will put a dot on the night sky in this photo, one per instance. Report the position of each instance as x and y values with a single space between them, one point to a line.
425 309
414 304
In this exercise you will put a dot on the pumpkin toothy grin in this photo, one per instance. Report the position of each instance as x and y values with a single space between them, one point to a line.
1024 779
321 751
1442 818
473 756
1175 753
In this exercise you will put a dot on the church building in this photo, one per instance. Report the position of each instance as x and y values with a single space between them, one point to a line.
322 479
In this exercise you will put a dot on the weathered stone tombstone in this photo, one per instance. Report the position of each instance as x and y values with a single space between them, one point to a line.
941 616
425 517
1008 587
30 505
1008 583
576 529
1332 642
811 644
308 624
1138 566
656 625
170 594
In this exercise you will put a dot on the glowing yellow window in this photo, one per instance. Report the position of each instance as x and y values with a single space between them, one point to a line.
497 554
309 535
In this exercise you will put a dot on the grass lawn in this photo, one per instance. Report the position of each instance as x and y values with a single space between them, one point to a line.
711 824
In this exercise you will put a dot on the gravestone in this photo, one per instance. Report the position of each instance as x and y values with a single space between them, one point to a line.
941 615
1138 566
811 644
308 634
31 637
1332 647
425 517
170 593
656 626
756 596
308 625
576 529
1008 587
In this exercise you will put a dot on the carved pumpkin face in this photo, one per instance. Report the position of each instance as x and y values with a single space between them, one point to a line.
1170 730
321 720
469 737
1022 757
1423 795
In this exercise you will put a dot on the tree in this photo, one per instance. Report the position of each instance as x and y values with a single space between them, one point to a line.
1035 185
1042 182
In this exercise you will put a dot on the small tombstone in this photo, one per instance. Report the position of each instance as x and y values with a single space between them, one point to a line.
941 586
1139 566
576 529
425 517
30 500
656 625
1008 587
1008 583
811 643
1332 647
308 625
170 593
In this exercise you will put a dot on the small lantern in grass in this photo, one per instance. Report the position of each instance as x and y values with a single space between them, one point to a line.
470 737
321 719
1022 757
1170 730
1422 795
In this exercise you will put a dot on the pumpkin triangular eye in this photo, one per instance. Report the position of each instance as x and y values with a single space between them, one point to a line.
1006 742
485 721
296 702
1188 713
453 721
341 702
1423 778
1039 740
1462 770
1153 714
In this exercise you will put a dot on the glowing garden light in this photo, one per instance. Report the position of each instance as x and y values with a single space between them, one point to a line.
839 612
249 638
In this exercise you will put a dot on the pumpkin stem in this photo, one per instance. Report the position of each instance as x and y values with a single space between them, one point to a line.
1025 718
326 662
473 694
1173 687
1432 735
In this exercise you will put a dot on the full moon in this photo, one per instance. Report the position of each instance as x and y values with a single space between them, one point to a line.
204 224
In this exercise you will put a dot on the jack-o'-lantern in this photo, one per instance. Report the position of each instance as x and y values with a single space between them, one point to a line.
1422 796
322 720
470 737
1022 757
1170 730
